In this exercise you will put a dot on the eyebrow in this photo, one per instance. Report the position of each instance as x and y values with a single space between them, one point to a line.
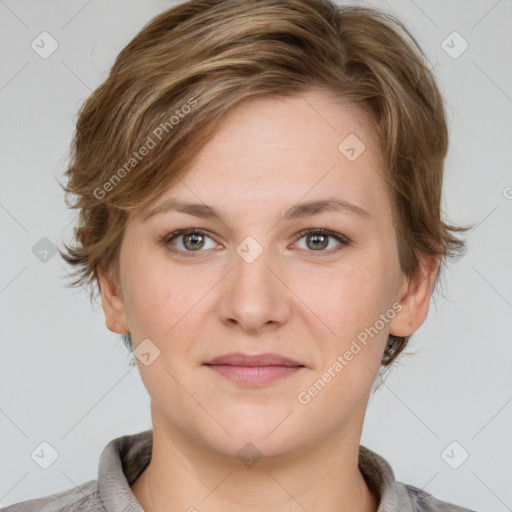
298 211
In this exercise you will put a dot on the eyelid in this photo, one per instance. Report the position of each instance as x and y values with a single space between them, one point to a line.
166 239
342 239
333 234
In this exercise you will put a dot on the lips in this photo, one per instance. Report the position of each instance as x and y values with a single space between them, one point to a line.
254 370
239 359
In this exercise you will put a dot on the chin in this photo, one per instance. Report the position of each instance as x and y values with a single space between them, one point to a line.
255 437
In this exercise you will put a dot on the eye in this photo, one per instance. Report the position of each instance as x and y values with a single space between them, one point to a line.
318 239
192 240
189 240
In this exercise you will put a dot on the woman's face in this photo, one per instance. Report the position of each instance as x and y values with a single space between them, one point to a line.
247 280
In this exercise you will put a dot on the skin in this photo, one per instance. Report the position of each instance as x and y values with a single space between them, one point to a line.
302 302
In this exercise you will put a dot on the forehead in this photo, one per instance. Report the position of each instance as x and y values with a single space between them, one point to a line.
274 150
311 126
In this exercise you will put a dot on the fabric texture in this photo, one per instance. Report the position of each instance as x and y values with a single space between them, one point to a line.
126 457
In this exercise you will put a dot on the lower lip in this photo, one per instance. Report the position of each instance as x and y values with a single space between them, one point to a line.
255 375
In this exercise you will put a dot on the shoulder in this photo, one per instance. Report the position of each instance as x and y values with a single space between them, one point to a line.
120 463
82 498
422 501
398 496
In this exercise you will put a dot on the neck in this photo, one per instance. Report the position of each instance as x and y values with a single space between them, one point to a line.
184 476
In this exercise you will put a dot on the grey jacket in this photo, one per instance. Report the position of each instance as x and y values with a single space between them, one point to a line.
126 457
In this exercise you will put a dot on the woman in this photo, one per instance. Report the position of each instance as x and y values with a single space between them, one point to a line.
259 188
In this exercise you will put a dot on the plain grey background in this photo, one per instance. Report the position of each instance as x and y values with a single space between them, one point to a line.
65 379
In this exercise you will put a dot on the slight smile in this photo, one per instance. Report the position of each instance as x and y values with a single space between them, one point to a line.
254 370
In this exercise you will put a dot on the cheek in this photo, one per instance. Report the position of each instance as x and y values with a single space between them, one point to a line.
352 293
350 303
351 306
166 305
155 300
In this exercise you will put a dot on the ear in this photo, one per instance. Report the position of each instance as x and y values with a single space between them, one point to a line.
414 297
112 303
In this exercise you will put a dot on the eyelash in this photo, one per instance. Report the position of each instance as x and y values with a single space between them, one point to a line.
344 241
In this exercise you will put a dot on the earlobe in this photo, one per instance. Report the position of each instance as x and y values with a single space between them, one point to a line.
112 303
414 297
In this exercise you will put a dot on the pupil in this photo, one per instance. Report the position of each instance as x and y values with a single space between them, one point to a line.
194 238
317 237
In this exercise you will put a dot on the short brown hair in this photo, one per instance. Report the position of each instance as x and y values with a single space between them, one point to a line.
188 67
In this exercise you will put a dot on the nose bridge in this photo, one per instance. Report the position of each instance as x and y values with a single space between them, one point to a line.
253 296
252 261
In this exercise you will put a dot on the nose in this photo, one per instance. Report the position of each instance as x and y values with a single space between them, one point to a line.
254 296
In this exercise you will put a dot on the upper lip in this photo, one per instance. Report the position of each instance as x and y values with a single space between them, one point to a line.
239 359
